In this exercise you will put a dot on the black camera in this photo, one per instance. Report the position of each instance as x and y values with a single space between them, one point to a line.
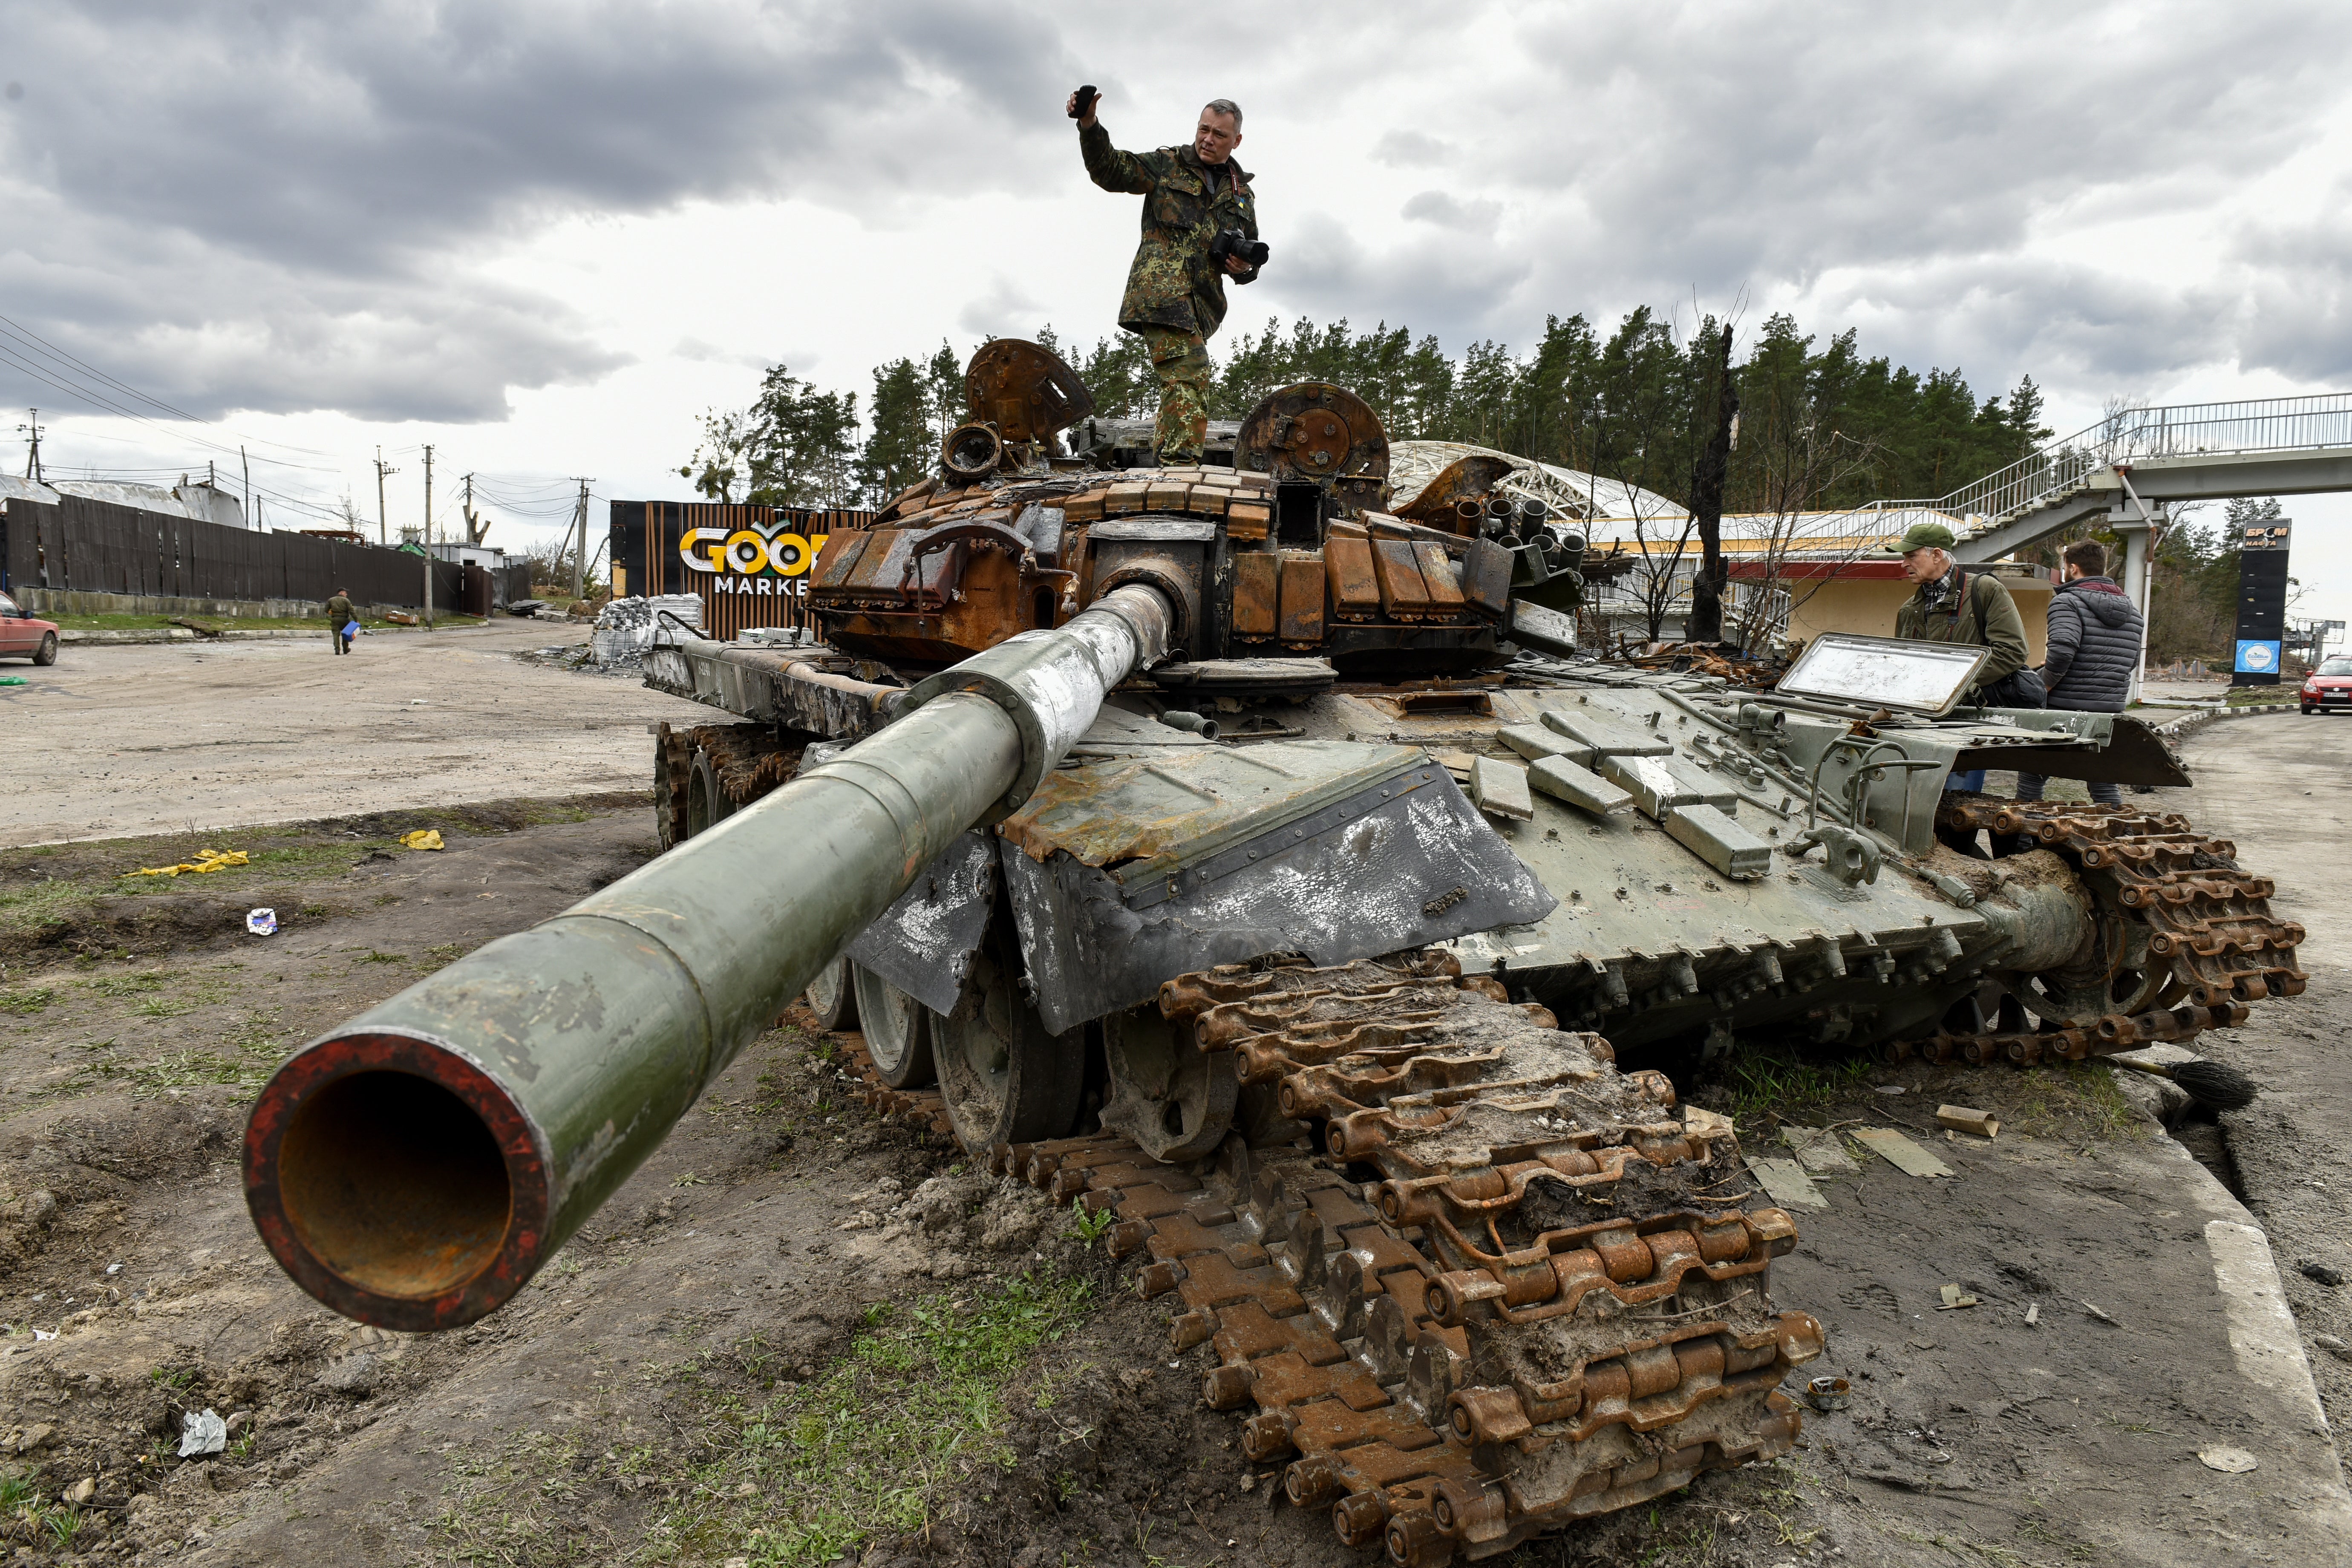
1234 242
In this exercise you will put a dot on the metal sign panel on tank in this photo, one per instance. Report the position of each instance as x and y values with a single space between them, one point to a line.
1885 672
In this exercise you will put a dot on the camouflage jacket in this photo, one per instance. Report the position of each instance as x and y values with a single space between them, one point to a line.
1173 283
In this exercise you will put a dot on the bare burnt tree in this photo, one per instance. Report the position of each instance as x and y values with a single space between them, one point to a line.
1793 463
1707 479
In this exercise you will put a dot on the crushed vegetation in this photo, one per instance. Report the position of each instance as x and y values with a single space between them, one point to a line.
1765 1087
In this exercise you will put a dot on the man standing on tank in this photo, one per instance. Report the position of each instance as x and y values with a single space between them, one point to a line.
1176 290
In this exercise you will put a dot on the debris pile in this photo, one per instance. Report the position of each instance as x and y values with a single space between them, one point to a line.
625 628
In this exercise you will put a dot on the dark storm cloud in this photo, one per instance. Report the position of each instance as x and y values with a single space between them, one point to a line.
287 175
287 206
1662 153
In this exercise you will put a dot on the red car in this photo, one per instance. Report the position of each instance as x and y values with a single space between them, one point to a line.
2329 685
26 637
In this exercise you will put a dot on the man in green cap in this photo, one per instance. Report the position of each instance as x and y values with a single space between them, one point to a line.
1954 604
1175 295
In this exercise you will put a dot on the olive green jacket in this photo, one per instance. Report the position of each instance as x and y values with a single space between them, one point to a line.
1980 614
1173 282
339 610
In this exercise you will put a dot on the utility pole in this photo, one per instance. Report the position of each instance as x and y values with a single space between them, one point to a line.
383 532
33 458
246 464
475 527
428 538
579 555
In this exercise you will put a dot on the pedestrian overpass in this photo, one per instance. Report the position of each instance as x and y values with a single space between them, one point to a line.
2127 468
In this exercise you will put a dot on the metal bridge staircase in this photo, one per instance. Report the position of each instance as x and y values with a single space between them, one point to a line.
2134 459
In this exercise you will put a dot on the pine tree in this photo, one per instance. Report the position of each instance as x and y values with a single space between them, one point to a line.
899 448
800 444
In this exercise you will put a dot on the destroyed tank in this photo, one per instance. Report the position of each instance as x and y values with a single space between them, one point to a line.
1247 854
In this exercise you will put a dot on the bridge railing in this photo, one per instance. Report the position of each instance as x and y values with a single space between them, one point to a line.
2127 436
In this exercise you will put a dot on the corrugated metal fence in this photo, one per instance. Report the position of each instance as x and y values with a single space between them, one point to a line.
98 547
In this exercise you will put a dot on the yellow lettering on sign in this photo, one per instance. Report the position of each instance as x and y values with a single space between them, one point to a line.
745 552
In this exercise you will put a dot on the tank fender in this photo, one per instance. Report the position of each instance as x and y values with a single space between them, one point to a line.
923 943
1404 864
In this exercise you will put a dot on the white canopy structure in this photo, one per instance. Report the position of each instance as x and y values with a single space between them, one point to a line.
1579 496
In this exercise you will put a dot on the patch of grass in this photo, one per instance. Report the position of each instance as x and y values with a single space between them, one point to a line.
1769 1082
27 998
2075 1099
30 907
856 1451
139 983
256 1047
1090 1225
2038 1531
126 623
63 1523
373 956
513 1505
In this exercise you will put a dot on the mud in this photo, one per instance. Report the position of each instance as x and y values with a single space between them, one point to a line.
800 1334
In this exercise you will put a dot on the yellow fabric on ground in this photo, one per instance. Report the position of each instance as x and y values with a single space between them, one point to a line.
205 860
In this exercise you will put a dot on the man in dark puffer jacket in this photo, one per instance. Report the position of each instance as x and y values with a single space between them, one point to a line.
2092 648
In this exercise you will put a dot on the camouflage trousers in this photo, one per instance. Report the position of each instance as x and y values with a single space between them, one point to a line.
1181 362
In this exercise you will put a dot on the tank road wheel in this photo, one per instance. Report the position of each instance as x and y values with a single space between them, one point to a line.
2113 973
707 805
1005 1079
830 999
1173 1099
897 1031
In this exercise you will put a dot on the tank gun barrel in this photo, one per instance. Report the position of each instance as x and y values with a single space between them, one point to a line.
414 1167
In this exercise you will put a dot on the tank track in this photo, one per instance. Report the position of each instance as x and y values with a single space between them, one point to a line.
673 776
750 759
1549 1304
2208 919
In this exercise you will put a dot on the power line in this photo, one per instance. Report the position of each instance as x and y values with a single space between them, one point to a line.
40 344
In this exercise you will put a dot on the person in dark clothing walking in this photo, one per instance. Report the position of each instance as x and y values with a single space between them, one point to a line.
2093 650
341 612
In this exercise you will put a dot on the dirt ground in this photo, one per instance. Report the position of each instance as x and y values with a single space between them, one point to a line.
155 738
800 1335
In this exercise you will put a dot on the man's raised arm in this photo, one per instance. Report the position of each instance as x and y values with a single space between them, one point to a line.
1105 165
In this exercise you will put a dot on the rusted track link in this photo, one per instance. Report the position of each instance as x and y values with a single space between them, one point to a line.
749 759
1549 1305
673 777
2208 921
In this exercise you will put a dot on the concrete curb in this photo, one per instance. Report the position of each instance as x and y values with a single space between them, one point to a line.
2189 723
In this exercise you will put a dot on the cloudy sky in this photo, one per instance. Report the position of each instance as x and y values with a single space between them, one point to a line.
545 238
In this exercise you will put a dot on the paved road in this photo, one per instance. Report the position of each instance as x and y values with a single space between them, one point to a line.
157 738
2277 787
